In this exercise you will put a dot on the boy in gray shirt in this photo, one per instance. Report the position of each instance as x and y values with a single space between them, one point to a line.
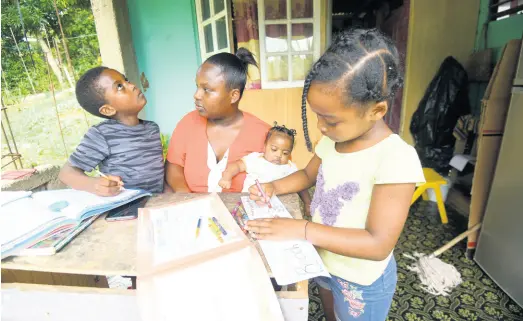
127 150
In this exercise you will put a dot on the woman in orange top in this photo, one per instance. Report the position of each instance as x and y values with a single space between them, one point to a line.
217 132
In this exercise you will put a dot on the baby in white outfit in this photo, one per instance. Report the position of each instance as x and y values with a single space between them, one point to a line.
269 166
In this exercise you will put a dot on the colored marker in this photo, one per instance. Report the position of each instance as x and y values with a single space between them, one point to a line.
198 227
263 193
215 220
235 210
243 215
215 230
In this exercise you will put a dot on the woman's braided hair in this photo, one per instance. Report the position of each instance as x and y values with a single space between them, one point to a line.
364 63
281 129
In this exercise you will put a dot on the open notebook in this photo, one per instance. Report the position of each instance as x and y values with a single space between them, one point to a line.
290 261
27 220
208 278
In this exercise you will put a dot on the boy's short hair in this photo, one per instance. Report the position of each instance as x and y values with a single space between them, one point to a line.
89 93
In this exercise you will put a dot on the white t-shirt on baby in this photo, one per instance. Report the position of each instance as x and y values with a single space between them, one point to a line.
258 168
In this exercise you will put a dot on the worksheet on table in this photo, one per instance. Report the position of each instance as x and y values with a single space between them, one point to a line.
290 261
174 231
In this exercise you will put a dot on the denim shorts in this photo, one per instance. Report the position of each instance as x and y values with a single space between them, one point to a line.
353 301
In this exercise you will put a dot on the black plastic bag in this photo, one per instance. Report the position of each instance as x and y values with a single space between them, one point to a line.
445 100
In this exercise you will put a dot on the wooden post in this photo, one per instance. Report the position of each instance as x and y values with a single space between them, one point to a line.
69 64
56 108
23 62
60 63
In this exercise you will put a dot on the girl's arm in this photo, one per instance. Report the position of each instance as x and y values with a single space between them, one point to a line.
296 182
176 178
387 214
306 199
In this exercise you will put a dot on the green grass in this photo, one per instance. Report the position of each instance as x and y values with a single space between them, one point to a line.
36 129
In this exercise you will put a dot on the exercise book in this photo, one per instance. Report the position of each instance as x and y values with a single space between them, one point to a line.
290 261
27 220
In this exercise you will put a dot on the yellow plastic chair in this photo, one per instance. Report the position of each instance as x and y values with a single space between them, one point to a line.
434 181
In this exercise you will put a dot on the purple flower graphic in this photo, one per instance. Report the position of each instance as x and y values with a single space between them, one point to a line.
329 202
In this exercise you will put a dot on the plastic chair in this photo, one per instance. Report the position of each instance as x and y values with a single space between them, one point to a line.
434 181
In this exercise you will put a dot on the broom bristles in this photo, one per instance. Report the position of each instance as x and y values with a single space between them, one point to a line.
436 276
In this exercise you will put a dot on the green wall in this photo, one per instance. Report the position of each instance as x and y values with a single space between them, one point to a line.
164 34
498 34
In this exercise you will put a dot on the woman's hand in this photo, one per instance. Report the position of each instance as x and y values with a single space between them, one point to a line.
256 195
277 228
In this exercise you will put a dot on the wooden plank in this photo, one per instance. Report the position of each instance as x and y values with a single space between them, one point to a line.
47 278
110 248
53 303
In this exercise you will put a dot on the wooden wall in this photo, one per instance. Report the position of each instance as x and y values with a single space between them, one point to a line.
437 29
283 106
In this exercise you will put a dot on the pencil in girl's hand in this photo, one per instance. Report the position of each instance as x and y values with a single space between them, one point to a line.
263 194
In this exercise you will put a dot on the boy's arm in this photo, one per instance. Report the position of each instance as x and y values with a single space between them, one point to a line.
76 179
175 178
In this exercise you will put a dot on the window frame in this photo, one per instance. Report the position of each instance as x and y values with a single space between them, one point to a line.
262 23
212 20
515 7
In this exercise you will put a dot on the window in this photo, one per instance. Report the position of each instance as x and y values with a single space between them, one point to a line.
284 35
214 26
502 9
289 40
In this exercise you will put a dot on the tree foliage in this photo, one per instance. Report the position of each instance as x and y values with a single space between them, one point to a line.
40 22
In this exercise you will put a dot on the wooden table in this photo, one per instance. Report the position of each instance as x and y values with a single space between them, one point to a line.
106 249
110 248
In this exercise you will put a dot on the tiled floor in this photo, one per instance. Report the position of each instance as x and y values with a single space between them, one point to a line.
477 298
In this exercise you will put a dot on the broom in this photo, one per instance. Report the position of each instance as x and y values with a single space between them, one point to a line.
436 276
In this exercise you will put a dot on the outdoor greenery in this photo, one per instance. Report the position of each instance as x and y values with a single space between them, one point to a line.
39 64
33 23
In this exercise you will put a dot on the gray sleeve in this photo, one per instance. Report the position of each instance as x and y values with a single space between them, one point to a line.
91 151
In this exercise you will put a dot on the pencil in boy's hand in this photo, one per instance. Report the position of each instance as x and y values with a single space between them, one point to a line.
109 178
263 194
198 227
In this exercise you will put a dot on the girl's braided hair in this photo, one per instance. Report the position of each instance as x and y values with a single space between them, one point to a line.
364 63
281 129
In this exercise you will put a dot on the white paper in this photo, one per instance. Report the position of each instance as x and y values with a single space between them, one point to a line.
290 261
232 287
79 201
20 217
10 196
460 161
174 231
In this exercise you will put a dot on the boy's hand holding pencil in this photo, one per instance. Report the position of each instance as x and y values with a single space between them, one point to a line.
107 185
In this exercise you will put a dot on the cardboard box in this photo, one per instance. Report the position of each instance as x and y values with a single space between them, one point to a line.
494 108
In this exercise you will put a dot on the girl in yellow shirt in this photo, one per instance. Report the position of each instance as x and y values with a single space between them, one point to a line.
365 177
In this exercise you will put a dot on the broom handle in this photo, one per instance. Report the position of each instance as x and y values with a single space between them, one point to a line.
456 240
